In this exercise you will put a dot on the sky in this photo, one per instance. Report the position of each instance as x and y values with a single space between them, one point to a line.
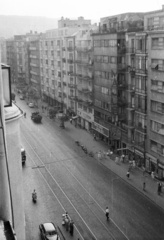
89 9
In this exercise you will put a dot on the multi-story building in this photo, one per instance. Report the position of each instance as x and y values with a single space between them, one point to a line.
79 23
34 62
111 116
84 78
154 29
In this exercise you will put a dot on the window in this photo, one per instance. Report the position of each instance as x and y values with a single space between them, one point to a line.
112 59
46 61
58 53
105 90
52 72
157 127
157 107
153 146
157 85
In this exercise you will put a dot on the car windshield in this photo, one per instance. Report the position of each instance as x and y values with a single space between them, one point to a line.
51 233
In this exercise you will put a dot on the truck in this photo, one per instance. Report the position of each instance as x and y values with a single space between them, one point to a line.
36 117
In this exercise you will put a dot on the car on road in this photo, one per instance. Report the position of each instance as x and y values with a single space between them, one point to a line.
21 97
48 231
31 105
23 155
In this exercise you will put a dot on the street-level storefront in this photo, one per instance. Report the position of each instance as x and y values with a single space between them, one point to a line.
153 164
85 120
101 132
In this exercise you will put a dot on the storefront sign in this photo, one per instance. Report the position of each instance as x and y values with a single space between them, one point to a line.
99 128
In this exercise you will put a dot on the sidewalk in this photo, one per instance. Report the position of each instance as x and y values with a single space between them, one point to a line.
137 176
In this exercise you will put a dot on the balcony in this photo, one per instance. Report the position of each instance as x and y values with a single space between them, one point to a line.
72 97
70 49
121 67
121 50
83 49
131 88
64 60
131 106
132 51
70 85
130 124
70 73
122 85
141 128
122 102
70 61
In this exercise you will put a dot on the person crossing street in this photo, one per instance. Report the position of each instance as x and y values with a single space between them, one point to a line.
107 213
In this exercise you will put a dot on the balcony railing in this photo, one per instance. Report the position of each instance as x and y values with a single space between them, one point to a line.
83 49
70 61
70 85
70 49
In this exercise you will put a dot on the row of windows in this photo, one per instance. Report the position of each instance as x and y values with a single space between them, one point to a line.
103 74
157 85
103 105
105 59
157 147
105 43
157 127
157 64
89 110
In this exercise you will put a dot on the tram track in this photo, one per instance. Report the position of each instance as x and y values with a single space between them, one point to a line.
73 194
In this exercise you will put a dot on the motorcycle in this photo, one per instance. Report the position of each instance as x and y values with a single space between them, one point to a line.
34 197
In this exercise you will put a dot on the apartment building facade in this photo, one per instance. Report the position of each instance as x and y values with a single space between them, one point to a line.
84 78
110 78
154 27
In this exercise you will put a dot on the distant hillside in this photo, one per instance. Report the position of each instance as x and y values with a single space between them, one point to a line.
13 25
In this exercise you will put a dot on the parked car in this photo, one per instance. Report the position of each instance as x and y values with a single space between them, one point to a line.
48 231
31 105
21 97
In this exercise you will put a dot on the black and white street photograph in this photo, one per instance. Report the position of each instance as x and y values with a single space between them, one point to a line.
81 120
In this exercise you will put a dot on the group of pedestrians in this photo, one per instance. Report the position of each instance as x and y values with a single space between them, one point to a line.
68 223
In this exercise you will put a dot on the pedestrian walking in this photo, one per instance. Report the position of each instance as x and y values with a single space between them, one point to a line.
128 174
144 185
70 120
24 114
66 223
107 213
99 155
71 228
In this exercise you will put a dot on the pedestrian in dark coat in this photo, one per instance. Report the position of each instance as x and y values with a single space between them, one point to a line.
71 228
66 223
107 213
128 174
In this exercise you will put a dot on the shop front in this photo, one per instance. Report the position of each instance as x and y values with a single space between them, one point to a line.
154 165
101 132
85 120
